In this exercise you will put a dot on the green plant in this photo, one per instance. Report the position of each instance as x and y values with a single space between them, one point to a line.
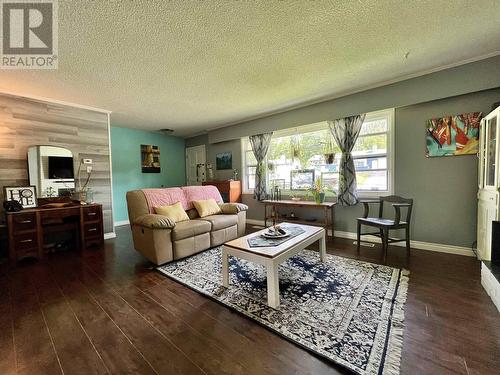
328 145
319 189
295 149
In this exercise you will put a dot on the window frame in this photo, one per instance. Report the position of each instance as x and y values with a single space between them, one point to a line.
244 176
388 114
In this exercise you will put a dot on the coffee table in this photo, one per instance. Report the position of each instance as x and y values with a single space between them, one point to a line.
272 256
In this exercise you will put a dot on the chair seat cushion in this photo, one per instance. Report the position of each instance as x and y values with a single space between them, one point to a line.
379 221
190 228
221 221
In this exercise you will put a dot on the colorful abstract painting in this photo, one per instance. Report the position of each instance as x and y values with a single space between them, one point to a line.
453 135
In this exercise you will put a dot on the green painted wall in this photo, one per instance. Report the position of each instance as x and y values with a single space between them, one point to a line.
126 162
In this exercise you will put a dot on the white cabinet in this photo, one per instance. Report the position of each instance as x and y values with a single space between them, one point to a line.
488 183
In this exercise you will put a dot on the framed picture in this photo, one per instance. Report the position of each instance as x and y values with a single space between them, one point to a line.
150 159
25 195
301 179
224 160
453 135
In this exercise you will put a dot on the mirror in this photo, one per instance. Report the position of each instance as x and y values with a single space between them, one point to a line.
51 170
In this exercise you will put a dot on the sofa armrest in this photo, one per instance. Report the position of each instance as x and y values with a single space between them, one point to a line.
232 208
154 221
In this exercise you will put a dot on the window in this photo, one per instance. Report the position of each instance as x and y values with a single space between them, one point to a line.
297 156
250 165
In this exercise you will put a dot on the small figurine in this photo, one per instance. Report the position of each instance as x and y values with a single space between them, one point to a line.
210 172
50 192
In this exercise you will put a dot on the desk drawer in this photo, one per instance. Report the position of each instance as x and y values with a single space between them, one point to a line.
25 242
92 230
91 213
24 221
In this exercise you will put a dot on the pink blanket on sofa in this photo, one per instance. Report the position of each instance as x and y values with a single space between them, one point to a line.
197 193
186 195
164 197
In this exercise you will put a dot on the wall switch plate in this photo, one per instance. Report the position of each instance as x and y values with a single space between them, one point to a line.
87 161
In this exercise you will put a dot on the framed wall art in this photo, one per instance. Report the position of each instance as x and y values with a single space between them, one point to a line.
150 159
25 195
453 135
224 160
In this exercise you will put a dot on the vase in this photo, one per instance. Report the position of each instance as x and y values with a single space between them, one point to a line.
317 199
321 197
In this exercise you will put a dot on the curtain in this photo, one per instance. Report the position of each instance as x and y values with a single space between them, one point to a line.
345 131
260 144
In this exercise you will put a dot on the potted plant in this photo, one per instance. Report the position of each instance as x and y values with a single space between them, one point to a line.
328 150
318 191
295 148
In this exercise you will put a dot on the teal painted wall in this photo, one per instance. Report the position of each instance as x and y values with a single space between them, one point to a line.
126 162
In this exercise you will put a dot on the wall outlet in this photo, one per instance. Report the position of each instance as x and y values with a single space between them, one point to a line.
89 169
87 161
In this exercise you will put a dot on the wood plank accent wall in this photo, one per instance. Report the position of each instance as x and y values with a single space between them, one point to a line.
26 122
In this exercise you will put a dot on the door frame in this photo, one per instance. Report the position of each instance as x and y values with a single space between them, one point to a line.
200 147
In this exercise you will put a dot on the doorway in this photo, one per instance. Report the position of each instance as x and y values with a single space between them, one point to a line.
196 159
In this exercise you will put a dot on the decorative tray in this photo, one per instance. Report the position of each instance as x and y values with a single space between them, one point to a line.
273 234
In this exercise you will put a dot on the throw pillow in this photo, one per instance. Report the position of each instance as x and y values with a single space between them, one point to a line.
207 207
174 212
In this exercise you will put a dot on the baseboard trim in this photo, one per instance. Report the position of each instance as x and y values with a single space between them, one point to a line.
440 248
109 235
121 223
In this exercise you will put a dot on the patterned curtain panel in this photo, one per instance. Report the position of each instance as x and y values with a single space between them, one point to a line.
345 131
260 144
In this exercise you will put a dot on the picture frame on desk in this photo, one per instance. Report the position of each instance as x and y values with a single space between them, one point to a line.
25 195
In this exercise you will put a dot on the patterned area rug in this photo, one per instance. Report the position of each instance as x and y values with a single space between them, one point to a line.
347 311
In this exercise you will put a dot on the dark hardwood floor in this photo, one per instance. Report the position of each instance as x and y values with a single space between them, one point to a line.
105 311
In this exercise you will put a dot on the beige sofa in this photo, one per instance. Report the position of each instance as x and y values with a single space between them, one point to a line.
161 240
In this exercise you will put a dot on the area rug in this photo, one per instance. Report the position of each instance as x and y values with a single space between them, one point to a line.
347 311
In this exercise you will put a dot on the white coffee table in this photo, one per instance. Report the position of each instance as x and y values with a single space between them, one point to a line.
272 256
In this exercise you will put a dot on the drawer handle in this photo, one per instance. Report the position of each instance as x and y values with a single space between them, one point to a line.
92 229
25 221
92 213
25 241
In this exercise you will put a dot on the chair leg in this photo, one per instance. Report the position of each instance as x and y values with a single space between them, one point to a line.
382 241
359 236
408 242
386 243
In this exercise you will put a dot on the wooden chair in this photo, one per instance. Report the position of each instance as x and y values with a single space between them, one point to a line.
385 225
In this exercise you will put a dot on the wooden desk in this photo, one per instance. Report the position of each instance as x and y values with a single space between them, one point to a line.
27 229
328 208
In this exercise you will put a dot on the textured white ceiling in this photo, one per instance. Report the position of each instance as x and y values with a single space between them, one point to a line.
197 65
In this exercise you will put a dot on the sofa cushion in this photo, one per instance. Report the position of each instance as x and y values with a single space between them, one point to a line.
190 228
233 208
154 221
175 212
221 221
192 213
207 207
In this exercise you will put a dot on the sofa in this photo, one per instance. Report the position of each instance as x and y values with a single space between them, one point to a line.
162 240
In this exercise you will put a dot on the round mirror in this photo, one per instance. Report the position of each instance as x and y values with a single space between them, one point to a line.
51 170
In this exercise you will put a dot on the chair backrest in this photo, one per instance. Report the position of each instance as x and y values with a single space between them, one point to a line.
396 199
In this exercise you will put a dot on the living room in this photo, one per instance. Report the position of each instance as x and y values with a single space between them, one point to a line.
197 187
